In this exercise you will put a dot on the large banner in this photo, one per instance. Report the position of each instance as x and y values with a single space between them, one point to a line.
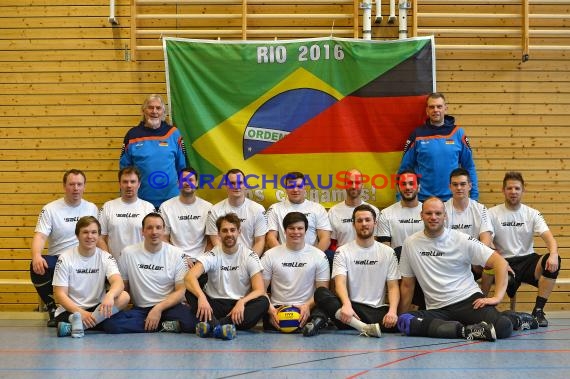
318 106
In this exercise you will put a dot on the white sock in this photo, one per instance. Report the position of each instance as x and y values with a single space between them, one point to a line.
99 317
354 322
76 325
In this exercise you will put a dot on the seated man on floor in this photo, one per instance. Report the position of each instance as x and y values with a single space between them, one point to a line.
440 259
294 270
362 269
153 272
234 295
79 283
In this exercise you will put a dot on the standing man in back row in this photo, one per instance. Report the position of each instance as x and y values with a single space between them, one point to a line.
318 230
434 149
515 225
56 226
121 218
157 150
340 214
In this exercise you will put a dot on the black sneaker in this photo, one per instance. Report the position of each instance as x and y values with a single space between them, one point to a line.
521 320
51 323
528 321
539 316
312 327
481 331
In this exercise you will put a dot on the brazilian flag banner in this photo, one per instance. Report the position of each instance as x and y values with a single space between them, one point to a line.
319 106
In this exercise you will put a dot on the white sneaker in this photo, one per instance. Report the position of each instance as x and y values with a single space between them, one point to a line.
371 330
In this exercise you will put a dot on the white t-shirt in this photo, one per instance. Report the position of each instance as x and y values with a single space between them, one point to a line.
252 217
57 221
122 223
315 212
442 265
399 222
229 275
515 230
186 224
293 273
84 277
472 221
340 218
366 271
152 276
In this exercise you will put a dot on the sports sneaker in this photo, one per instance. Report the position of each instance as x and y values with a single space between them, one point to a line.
481 331
312 327
528 321
203 329
539 316
521 320
170 326
371 330
63 329
225 332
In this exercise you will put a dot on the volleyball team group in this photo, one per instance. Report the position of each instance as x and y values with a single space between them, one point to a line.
162 259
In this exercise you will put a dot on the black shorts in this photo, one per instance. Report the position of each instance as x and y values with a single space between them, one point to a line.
524 268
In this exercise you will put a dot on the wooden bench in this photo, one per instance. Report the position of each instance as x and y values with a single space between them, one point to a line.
22 315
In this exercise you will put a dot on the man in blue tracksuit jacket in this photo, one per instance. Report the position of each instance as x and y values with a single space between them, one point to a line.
435 149
157 150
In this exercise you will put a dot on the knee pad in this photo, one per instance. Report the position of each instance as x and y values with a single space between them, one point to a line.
503 327
445 329
404 321
545 272
320 294
512 285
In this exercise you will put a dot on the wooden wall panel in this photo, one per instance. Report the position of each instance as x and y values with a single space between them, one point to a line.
69 92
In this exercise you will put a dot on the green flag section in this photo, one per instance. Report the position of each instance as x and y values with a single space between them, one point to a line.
318 106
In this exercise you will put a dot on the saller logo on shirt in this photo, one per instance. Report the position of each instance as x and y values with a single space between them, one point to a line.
431 253
512 223
71 219
461 226
87 270
127 215
229 268
188 217
409 221
365 262
293 264
150 267
347 220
